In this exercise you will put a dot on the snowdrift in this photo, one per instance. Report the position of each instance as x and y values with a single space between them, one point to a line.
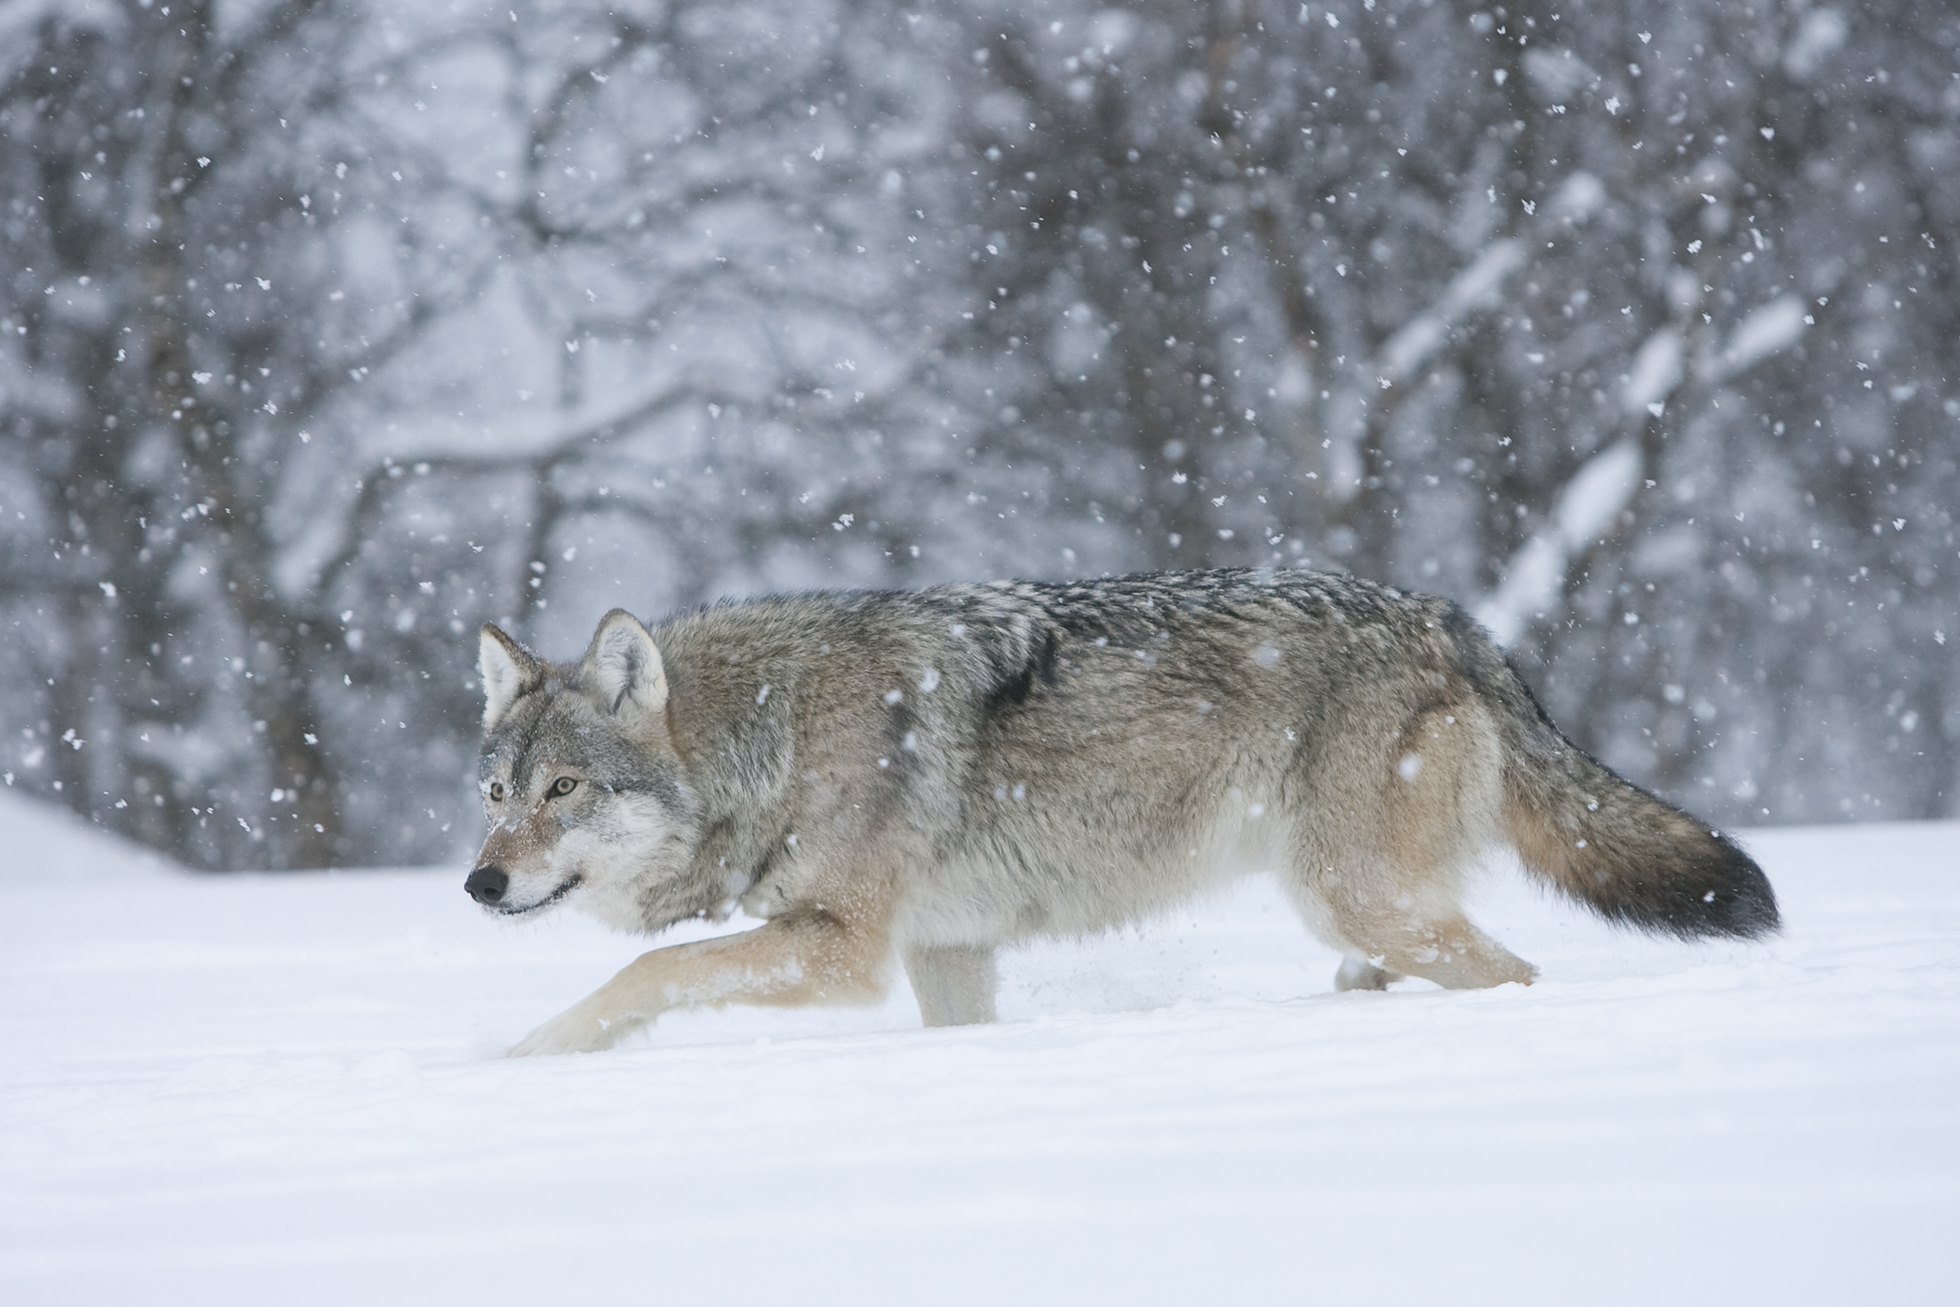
257 1089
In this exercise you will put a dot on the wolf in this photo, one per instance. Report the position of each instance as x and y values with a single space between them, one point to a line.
927 776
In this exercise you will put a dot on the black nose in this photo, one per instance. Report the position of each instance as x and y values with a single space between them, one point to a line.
487 885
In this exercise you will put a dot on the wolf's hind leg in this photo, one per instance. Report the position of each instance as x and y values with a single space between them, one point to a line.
954 986
1439 946
1386 873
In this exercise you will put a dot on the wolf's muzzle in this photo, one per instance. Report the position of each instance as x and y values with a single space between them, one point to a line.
487 885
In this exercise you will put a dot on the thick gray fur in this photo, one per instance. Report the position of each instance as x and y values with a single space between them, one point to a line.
931 775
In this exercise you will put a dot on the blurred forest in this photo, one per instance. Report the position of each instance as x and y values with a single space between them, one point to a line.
330 329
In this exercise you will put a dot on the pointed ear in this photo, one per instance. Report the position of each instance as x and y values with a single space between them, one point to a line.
623 665
508 671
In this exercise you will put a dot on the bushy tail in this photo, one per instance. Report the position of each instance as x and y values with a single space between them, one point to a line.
1627 855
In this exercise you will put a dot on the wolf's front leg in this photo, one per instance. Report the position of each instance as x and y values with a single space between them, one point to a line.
800 958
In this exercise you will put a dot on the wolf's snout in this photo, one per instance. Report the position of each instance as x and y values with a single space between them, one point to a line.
487 885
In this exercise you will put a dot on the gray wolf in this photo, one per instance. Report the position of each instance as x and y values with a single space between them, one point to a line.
927 776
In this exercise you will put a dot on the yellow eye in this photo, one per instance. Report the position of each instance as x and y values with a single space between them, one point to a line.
496 791
562 786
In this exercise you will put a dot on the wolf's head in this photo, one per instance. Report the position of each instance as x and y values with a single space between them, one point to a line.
583 790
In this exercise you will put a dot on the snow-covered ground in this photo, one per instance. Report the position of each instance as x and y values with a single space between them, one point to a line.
288 1090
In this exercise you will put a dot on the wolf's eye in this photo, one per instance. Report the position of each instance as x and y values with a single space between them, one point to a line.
562 786
496 791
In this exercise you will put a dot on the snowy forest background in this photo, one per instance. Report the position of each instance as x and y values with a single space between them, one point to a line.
330 329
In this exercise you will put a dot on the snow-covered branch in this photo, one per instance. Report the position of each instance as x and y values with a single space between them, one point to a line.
1587 509
1418 340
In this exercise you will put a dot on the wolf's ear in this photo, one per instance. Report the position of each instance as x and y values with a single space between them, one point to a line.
623 665
508 671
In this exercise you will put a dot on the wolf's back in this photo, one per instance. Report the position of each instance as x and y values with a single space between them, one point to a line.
1625 853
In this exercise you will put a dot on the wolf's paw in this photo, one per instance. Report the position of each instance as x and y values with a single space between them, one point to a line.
1360 973
569 1032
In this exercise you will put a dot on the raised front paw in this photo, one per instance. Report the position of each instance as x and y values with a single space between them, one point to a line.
568 1032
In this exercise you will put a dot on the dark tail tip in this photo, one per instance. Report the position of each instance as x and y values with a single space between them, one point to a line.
1715 890
1748 906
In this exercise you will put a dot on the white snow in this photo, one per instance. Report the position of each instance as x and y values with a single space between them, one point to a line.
1768 330
1598 492
1656 373
1820 33
287 1089
1556 73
